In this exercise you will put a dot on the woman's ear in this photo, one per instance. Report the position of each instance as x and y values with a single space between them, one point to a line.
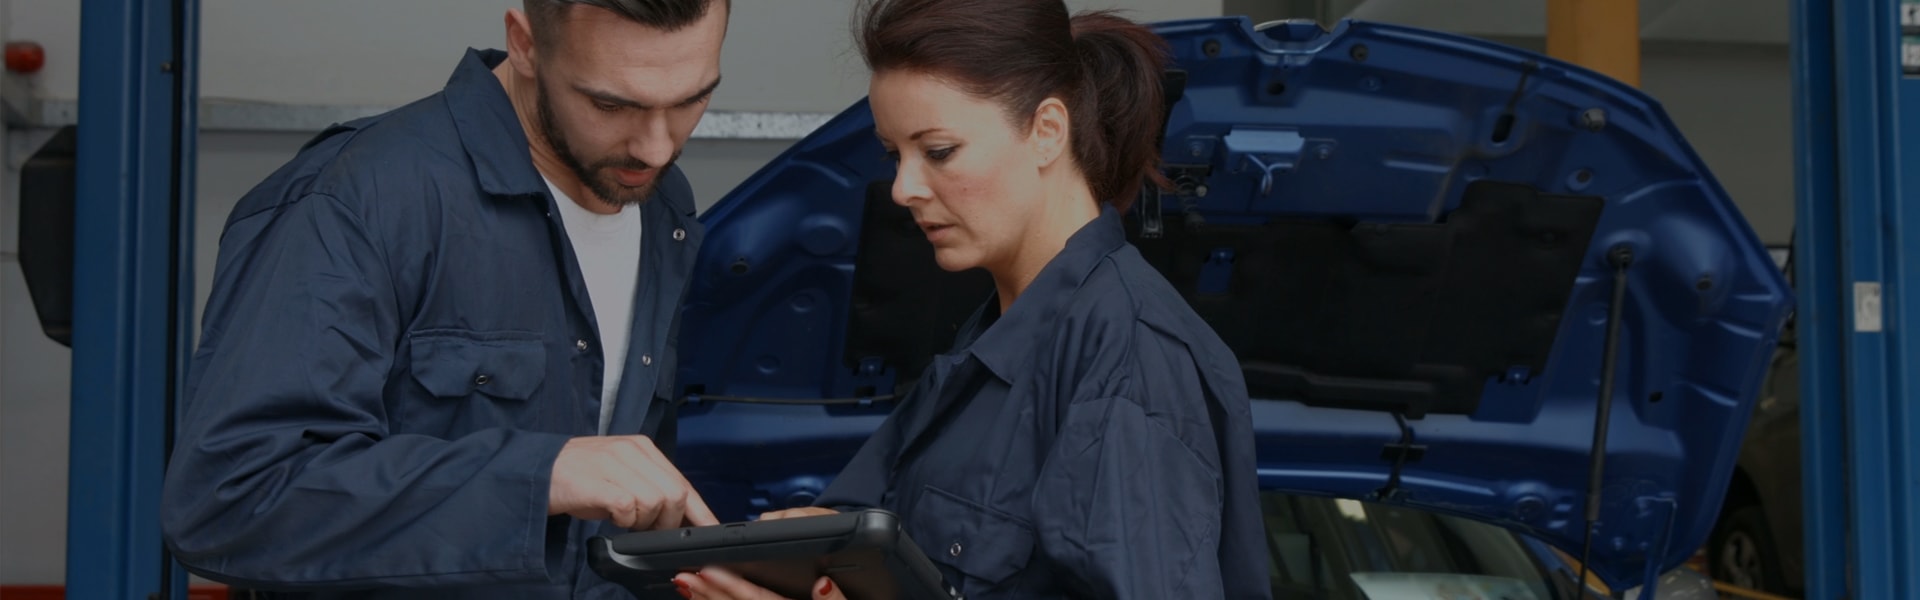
1049 133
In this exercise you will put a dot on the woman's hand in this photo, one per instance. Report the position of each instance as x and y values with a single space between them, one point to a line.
804 511
714 583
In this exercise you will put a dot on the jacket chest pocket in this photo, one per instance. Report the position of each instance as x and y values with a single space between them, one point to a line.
985 545
476 380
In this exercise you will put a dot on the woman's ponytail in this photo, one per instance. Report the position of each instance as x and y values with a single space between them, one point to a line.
1122 111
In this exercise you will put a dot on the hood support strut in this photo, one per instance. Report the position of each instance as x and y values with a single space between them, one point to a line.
1620 257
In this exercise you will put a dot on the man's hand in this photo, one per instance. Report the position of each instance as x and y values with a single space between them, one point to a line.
624 479
804 511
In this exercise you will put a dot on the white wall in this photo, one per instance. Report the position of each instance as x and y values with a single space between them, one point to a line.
377 52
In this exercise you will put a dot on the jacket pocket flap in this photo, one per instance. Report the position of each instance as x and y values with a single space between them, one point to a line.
978 541
451 366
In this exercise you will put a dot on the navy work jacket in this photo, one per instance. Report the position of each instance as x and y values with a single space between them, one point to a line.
397 344
1096 441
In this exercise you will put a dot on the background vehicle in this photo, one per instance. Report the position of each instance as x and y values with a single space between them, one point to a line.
1758 542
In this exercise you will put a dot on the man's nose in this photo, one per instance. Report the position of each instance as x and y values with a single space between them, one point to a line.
652 142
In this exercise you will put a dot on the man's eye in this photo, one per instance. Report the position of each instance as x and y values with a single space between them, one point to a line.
605 106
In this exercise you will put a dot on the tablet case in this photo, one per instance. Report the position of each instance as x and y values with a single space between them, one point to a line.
866 553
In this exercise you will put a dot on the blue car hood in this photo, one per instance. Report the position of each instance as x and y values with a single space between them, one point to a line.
1410 239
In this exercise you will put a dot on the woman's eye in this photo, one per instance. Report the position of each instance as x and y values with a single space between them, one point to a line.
940 154
893 156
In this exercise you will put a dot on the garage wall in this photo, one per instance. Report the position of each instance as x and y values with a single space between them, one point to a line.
358 52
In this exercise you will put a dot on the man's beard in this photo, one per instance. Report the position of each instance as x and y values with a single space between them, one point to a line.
596 176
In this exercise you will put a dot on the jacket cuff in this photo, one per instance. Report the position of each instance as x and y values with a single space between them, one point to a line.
551 547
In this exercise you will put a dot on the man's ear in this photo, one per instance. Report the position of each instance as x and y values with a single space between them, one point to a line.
520 43
1049 132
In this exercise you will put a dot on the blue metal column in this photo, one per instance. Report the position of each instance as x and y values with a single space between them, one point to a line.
1816 278
1858 272
132 289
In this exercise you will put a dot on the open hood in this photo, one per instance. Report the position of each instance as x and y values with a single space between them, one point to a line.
1413 241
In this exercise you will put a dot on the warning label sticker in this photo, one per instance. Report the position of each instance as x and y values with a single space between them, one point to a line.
1910 55
1910 40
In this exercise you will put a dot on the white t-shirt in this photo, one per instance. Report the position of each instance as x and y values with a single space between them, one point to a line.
608 247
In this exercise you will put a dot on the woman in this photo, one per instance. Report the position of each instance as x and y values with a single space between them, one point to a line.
1089 435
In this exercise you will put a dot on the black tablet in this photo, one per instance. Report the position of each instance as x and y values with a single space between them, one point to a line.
866 553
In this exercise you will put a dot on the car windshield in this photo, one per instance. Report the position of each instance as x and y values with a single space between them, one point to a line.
1337 549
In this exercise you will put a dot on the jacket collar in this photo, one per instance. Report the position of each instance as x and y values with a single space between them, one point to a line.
489 130
1007 344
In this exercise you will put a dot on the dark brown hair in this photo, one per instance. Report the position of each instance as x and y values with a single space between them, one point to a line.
1105 68
666 15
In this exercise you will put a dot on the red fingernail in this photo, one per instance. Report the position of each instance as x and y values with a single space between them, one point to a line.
685 592
826 587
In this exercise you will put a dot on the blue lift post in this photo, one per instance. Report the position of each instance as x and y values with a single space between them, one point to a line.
1858 271
133 289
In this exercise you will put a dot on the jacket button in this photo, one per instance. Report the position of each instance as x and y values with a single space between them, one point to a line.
646 359
679 234
482 380
580 345
954 550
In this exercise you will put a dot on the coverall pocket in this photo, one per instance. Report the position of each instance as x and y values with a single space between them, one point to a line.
503 366
986 545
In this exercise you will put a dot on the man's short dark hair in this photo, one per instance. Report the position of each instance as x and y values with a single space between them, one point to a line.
665 15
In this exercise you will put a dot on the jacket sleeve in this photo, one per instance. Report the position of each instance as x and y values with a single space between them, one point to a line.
285 474
864 482
1114 537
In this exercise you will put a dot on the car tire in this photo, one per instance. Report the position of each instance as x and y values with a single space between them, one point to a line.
1741 551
